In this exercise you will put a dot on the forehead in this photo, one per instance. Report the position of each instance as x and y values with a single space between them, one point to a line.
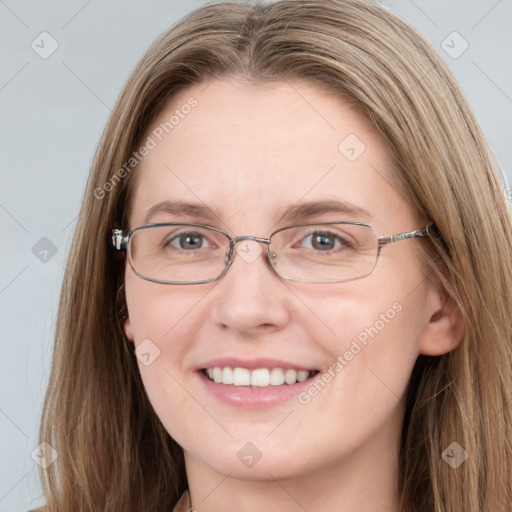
247 150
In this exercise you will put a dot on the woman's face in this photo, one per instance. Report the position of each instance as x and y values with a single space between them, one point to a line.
244 155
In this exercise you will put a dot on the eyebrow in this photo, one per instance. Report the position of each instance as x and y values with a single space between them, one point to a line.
296 213
181 209
305 211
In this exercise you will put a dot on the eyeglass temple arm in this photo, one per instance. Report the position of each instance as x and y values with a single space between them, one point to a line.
418 233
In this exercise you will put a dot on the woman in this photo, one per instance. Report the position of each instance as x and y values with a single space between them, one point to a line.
296 252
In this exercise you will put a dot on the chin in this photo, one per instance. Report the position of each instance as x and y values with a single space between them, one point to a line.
256 460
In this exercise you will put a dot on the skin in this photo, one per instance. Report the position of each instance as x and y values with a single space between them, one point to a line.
249 152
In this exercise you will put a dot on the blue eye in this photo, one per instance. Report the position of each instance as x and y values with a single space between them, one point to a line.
187 241
324 241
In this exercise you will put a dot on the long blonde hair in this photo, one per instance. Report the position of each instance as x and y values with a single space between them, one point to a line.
113 452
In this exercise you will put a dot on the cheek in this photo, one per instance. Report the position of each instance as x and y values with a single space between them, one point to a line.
371 359
157 311
374 334
160 320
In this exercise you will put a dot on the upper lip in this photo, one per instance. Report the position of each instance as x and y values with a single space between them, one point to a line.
253 364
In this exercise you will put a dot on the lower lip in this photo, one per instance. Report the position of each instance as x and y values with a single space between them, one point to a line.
252 397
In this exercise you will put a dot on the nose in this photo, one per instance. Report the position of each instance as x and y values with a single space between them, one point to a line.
251 297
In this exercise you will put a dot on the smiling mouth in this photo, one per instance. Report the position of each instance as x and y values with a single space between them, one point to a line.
261 377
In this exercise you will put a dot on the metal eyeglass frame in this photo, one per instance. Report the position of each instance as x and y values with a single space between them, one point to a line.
121 241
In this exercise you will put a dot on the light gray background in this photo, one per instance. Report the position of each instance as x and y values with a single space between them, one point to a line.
52 113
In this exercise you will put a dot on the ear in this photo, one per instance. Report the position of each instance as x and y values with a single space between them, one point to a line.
128 329
445 328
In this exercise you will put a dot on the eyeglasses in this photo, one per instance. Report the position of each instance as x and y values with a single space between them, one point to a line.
327 252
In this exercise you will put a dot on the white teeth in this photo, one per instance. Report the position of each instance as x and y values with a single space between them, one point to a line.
241 377
261 377
302 375
290 376
227 375
277 376
217 374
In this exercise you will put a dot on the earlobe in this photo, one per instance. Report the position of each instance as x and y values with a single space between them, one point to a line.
444 331
128 329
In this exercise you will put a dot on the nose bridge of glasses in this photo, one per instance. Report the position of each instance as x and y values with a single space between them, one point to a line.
237 239
247 255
